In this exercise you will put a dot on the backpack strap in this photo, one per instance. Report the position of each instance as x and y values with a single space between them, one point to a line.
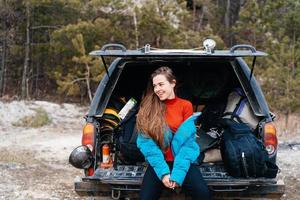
233 116
241 106
239 91
238 109
244 164
133 136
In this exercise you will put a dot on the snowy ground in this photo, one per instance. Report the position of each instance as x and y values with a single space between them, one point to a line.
34 161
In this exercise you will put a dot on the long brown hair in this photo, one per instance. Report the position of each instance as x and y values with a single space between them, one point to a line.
151 115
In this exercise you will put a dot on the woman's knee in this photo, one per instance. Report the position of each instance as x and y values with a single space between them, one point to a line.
200 190
195 185
151 187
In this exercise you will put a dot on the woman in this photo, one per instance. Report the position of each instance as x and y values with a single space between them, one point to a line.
167 140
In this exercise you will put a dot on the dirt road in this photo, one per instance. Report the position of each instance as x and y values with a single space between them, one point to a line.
34 161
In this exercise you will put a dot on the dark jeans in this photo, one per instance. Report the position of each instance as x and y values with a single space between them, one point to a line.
193 185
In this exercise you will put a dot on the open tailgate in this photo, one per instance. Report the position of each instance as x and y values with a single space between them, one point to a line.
127 179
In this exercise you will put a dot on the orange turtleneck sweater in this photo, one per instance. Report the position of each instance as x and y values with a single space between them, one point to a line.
177 111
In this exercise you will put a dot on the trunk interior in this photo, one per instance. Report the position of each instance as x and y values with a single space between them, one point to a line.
203 83
200 82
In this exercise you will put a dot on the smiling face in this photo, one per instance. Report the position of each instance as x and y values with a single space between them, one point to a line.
163 88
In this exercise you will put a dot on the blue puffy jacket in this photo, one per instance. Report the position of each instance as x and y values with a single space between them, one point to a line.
184 148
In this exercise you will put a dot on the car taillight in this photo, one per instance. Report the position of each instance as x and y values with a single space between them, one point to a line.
270 138
88 135
90 171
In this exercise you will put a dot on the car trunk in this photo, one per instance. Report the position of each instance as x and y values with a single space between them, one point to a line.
201 82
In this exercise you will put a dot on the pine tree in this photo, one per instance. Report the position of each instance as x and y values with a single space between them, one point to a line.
82 65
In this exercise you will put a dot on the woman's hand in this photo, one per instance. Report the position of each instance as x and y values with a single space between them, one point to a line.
174 184
166 181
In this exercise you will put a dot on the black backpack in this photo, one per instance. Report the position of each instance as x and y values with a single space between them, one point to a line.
126 136
211 115
243 154
209 135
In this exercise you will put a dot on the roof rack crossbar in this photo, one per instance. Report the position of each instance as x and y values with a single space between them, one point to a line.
245 46
110 45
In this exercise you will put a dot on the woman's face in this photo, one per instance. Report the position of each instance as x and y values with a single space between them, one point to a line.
163 88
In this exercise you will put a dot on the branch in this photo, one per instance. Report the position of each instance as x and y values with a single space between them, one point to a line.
76 80
45 26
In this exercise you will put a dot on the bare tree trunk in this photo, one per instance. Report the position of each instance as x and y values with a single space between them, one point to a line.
293 64
286 121
291 75
227 15
201 14
3 56
36 79
87 80
157 41
135 29
24 87
3 64
194 15
232 9
288 96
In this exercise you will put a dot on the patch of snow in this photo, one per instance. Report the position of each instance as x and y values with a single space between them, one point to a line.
11 112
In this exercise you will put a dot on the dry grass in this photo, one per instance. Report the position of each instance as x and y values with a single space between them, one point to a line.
25 157
40 119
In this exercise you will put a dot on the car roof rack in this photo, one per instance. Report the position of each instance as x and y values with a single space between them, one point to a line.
119 50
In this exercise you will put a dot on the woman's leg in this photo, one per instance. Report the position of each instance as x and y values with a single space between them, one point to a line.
151 187
194 184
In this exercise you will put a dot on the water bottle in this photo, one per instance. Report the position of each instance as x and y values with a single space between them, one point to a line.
128 106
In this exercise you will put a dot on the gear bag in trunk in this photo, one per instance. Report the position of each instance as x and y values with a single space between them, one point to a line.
239 109
126 139
243 154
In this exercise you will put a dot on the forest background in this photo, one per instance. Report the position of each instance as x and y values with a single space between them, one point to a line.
44 44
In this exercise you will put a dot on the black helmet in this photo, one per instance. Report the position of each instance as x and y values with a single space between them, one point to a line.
81 157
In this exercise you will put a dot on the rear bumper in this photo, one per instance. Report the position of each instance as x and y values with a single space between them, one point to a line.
252 190
220 189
